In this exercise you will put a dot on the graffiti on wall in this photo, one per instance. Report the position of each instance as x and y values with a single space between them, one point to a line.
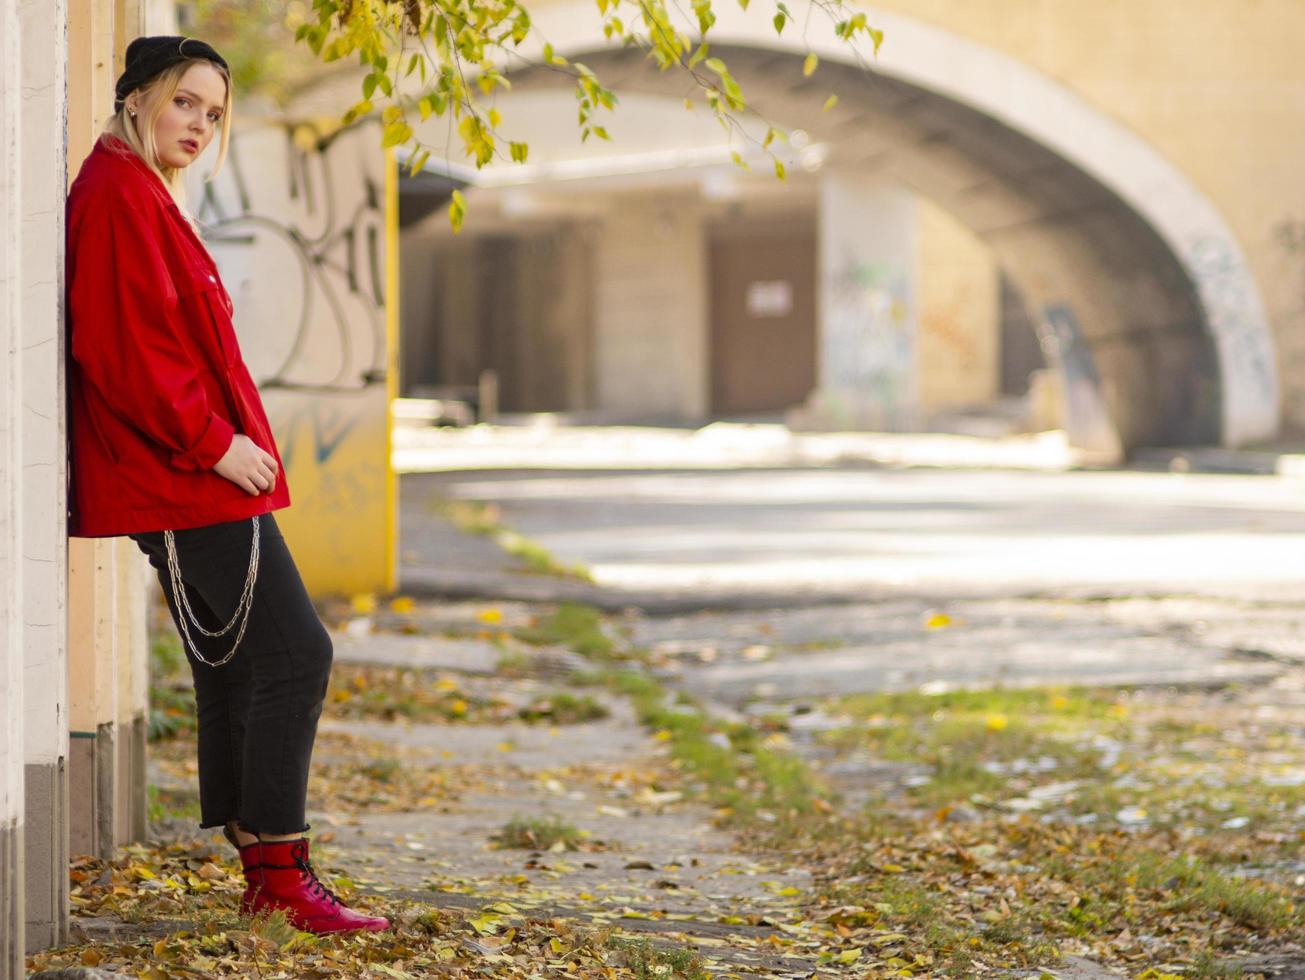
1237 324
299 219
296 223
1086 417
869 341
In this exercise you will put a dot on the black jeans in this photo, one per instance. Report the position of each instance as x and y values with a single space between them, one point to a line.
258 712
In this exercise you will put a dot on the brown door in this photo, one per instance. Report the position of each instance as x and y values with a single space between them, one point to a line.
763 318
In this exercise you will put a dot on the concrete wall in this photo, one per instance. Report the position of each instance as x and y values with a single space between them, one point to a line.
959 347
868 307
519 305
44 581
1084 212
650 314
1218 88
11 505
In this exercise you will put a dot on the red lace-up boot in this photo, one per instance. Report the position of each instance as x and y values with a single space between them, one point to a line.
249 865
279 877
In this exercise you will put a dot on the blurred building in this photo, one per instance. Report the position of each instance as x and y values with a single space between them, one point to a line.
1104 191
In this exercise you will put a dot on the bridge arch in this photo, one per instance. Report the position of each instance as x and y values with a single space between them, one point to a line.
1112 246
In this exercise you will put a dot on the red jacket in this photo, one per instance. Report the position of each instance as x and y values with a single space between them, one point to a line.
157 386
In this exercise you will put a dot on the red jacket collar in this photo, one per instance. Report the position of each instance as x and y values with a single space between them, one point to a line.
111 148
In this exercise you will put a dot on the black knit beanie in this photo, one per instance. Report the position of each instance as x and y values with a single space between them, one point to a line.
150 56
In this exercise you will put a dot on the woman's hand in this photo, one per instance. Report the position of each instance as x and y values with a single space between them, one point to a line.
247 466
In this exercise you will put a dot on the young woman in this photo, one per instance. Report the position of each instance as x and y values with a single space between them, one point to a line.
170 445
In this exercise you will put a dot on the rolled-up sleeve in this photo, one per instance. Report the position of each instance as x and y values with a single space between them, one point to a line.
128 337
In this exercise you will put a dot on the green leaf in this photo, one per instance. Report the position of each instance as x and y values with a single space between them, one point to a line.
779 22
699 54
877 37
457 211
396 133
716 65
601 133
369 86
358 110
418 162
518 151
779 169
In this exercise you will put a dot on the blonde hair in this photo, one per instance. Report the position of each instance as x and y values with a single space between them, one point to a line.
138 133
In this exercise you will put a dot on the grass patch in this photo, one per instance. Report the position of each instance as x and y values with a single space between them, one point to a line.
572 625
729 765
165 805
563 708
538 559
975 741
405 693
409 694
539 834
648 962
172 693
485 519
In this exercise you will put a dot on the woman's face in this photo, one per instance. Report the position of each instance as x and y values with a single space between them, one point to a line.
188 123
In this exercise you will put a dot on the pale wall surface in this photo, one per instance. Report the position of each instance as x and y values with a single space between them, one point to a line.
11 499
1216 86
958 362
650 313
867 307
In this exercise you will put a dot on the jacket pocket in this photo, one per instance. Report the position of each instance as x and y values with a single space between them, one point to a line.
205 303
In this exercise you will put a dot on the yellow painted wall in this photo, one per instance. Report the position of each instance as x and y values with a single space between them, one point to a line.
1216 86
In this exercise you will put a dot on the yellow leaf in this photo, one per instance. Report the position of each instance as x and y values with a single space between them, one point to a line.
402 604
830 103
505 746
809 65
1060 702
363 603
491 616
938 621
91 957
663 736
459 707
849 955
446 684
997 722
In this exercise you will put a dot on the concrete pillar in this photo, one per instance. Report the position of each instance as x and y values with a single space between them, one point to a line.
44 58
108 679
651 316
867 308
12 913
92 696
131 653
959 357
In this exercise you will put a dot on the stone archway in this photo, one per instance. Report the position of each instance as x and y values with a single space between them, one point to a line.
1127 265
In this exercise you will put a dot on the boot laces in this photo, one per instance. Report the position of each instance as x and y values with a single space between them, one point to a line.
315 883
